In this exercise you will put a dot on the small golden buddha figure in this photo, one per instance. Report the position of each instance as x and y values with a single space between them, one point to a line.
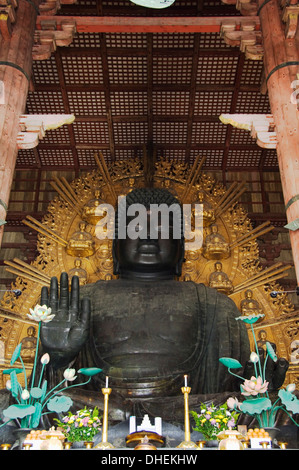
215 246
131 184
90 209
263 340
77 270
250 306
208 215
168 185
81 243
219 280
29 345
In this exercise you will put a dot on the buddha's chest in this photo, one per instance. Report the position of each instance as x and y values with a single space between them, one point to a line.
158 319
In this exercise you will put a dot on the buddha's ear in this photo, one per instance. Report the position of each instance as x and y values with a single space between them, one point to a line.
178 268
114 257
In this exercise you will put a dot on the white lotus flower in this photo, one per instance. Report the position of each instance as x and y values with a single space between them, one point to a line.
254 357
45 359
25 394
69 374
8 384
41 313
291 388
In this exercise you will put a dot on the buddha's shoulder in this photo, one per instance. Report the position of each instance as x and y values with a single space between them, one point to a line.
88 289
209 294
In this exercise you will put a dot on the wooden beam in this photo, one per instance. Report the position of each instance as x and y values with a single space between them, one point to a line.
121 24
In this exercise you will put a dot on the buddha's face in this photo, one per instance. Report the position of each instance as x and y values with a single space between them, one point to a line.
152 254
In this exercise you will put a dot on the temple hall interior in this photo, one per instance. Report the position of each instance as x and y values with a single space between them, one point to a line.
140 95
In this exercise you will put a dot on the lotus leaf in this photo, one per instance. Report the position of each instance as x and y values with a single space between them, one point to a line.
271 351
289 400
59 404
35 420
90 371
36 392
250 319
230 362
9 371
14 384
16 354
255 406
18 411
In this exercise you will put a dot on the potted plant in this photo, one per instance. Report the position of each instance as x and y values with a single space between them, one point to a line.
81 426
258 403
212 419
34 400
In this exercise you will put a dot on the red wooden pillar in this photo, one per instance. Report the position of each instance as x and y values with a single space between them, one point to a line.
281 61
15 72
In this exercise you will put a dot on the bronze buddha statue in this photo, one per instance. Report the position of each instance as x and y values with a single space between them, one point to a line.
145 329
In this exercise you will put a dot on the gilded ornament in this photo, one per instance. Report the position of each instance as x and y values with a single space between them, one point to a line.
61 242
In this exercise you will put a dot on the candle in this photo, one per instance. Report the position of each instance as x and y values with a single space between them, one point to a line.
132 427
106 381
185 377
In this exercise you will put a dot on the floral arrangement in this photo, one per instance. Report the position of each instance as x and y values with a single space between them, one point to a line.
213 419
35 401
82 426
258 403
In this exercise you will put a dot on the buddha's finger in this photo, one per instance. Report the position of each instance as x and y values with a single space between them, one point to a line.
64 292
75 294
53 300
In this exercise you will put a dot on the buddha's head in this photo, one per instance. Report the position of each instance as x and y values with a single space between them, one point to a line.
153 241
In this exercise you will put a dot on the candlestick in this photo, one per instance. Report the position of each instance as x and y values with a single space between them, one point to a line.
187 443
105 444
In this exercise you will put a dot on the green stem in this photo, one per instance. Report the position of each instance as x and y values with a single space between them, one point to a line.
290 416
36 354
54 388
41 374
232 373
62 389
256 348
264 372
24 372
6 422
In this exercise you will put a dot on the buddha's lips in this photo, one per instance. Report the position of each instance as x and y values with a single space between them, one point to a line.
148 248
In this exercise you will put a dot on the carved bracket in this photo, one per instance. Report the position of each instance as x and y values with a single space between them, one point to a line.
33 127
49 37
290 18
289 13
260 126
50 7
7 17
245 7
245 36
8 13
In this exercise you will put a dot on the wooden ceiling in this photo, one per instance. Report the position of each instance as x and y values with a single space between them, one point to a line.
134 89
128 90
